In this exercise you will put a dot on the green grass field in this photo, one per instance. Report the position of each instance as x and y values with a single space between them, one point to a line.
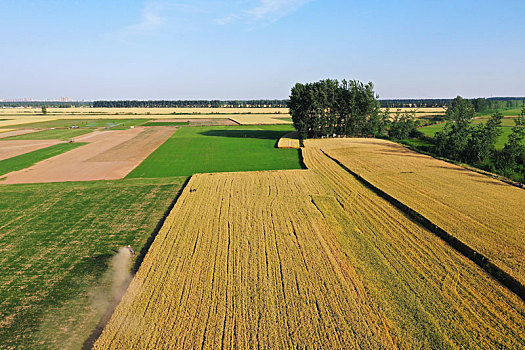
82 123
166 123
507 121
512 112
26 160
56 242
51 134
219 149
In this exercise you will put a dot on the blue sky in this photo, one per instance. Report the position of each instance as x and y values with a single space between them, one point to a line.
164 49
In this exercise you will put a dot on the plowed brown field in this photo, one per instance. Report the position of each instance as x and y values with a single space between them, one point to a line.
109 155
13 148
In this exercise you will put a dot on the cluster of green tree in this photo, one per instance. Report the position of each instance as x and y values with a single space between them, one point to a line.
38 104
329 108
402 125
192 104
332 108
475 144
483 105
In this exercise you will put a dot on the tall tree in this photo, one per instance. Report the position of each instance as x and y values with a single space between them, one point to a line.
482 140
452 141
327 108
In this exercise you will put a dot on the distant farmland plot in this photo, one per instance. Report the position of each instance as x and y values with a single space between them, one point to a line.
160 123
140 111
219 149
83 123
28 159
56 134
56 242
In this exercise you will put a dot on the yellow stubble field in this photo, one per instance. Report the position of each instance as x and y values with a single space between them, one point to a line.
484 213
306 258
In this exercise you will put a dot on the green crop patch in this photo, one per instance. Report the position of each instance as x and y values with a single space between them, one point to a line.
57 242
52 134
28 159
219 149
166 123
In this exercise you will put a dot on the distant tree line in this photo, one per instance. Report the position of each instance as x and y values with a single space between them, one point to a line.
39 104
415 103
481 105
192 104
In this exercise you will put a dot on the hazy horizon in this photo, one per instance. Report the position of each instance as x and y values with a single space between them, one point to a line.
240 50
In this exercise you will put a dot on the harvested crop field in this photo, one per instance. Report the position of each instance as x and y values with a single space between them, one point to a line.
108 155
484 213
14 148
306 258
269 282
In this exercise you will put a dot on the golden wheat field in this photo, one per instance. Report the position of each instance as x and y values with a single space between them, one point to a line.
484 213
306 258
252 267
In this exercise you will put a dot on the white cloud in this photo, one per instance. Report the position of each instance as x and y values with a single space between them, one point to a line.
150 20
177 15
275 8
265 10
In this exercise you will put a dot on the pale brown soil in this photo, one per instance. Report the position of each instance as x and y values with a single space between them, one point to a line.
199 121
138 148
13 148
109 155
16 133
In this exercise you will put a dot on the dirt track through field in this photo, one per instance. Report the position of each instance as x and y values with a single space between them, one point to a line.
13 148
109 155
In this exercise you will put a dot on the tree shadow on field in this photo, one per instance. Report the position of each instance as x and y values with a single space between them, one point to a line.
251 134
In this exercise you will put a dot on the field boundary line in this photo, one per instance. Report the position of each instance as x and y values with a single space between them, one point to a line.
479 259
